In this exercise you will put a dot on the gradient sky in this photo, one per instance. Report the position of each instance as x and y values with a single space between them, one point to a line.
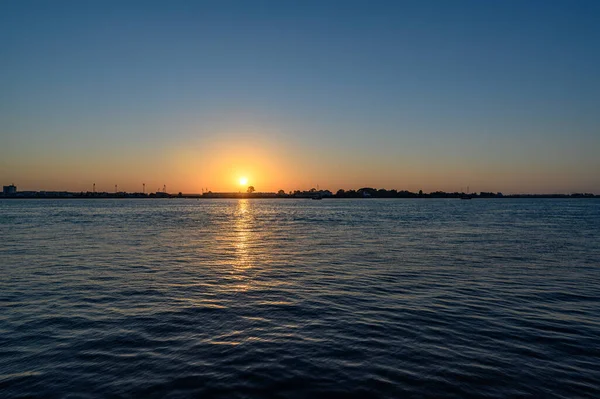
432 95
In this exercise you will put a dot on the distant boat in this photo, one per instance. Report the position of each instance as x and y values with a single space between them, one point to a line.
466 196
317 196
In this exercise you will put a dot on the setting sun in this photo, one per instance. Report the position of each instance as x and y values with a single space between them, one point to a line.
243 181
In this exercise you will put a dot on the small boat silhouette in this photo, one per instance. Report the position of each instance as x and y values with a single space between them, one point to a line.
466 196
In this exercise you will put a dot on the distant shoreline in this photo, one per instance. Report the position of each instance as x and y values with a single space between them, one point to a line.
10 192
287 196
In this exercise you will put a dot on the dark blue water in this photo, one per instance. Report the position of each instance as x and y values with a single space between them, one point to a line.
300 298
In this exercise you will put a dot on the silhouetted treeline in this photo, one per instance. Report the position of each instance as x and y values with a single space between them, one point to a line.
365 192
368 192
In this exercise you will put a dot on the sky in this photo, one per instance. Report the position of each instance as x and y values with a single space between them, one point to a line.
409 95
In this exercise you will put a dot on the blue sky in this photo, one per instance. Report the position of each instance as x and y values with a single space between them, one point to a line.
501 96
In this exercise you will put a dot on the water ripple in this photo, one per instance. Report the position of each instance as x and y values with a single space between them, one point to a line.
296 299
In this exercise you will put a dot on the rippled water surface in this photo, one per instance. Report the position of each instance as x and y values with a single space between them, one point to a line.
300 298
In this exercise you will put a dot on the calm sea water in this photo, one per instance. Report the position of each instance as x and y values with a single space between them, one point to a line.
300 298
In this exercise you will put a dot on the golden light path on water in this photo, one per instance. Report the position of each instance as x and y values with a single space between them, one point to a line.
242 237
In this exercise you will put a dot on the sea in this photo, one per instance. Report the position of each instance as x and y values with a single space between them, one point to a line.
295 298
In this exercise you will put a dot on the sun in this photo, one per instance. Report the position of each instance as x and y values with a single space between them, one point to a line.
243 181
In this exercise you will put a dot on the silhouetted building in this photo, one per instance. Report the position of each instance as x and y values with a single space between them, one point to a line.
9 190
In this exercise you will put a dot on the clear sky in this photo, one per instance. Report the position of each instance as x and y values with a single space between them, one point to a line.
432 95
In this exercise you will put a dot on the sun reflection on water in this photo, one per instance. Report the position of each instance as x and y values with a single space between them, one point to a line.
242 238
